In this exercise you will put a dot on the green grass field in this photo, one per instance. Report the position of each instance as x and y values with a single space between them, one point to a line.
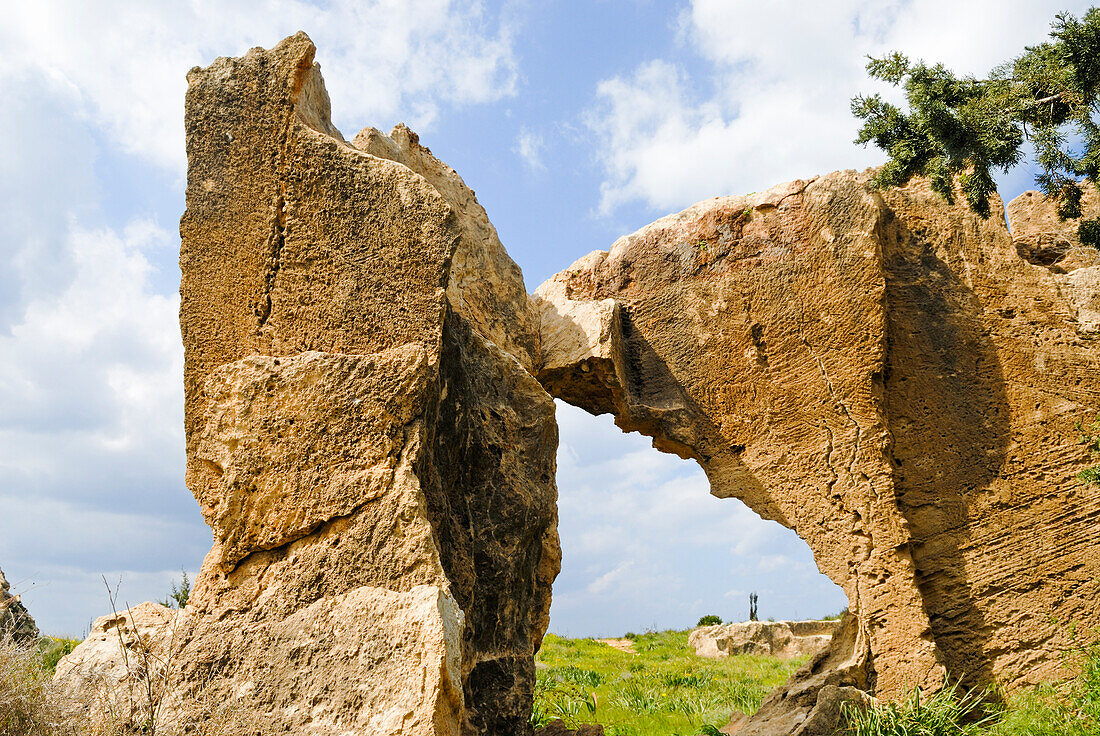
662 690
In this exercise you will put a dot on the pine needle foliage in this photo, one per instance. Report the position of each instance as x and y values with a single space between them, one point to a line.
963 128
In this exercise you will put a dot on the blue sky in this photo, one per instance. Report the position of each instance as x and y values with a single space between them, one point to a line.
575 122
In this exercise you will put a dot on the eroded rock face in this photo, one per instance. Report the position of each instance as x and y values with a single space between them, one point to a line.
15 621
882 373
364 436
785 639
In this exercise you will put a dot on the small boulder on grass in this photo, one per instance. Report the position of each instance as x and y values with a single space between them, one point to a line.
124 662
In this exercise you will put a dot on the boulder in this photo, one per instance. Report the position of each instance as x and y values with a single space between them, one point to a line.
123 666
784 639
15 621
881 372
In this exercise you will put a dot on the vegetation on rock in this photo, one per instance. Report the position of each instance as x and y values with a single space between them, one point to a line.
965 127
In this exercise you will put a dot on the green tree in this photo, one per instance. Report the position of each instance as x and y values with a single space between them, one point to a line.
963 128
180 593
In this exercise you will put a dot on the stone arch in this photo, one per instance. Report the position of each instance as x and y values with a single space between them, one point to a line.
370 437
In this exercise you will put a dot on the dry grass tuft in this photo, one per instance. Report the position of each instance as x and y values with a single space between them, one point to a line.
29 703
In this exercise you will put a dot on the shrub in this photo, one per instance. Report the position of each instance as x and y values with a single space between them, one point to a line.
709 620
949 712
29 703
180 593
51 649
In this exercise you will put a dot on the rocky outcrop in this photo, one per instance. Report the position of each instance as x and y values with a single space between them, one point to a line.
15 621
809 703
784 639
364 436
881 372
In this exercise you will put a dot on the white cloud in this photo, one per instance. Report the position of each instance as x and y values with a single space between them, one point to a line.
122 62
529 147
782 74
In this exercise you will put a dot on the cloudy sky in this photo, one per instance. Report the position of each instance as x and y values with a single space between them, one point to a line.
575 122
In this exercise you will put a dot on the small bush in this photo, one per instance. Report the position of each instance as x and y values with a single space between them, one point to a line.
29 705
180 593
51 649
709 620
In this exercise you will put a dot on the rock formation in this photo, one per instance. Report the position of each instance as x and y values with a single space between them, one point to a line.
889 375
15 621
881 372
784 639
364 435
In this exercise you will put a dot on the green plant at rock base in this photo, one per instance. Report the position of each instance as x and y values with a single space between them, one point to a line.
962 128
1071 708
1090 438
51 649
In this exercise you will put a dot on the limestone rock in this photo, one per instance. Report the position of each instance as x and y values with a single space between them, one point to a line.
881 372
124 658
809 703
1043 239
485 285
15 621
785 639
374 459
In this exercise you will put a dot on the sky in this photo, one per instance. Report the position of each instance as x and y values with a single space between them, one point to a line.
575 122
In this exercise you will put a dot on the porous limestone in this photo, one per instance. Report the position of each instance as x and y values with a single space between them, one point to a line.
882 372
371 437
364 436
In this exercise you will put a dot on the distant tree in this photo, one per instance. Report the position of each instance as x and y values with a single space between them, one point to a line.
752 606
180 593
709 620
962 127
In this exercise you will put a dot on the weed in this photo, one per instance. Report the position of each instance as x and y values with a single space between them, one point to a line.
51 649
1090 438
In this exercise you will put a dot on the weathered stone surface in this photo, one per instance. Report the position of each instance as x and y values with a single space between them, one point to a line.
786 639
374 459
809 703
15 621
882 373
124 658
485 285
1043 239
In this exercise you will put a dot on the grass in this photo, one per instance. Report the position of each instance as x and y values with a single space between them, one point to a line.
662 690
1071 708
